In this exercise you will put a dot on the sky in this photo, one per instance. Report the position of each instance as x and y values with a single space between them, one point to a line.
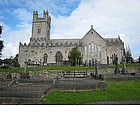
71 19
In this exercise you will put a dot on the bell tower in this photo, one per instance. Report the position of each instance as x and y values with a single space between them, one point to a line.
41 26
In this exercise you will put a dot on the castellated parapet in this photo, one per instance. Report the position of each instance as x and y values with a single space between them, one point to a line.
45 51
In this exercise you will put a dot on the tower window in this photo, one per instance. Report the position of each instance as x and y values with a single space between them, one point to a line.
39 30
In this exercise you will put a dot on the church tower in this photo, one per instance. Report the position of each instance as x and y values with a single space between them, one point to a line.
41 26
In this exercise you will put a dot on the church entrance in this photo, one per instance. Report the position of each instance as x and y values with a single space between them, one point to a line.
59 58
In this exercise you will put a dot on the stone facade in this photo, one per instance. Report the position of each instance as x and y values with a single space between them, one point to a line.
45 51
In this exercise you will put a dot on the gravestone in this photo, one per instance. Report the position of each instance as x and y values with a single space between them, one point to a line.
34 72
24 75
9 76
38 74
116 71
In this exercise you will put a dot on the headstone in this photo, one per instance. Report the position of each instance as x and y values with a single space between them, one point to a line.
25 75
38 74
9 76
117 71
34 72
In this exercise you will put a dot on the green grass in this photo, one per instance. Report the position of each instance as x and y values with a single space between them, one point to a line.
13 70
47 68
64 68
117 91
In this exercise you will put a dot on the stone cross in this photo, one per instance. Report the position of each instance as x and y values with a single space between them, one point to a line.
117 71
25 68
96 68
34 72
124 70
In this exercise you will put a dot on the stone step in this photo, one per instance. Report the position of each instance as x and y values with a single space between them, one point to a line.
21 95
18 100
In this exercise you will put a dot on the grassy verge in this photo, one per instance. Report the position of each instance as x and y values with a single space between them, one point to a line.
117 91
65 68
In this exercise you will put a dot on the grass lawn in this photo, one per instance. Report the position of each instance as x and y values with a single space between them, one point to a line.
117 91
64 68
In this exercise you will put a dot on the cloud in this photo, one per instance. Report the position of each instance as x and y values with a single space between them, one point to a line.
12 39
110 19
23 14
73 18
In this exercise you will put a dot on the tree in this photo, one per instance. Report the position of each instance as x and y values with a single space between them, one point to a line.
139 59
15 61
75 56
1 42
12 61
128 55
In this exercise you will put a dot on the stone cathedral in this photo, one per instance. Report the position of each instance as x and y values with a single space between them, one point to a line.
42 50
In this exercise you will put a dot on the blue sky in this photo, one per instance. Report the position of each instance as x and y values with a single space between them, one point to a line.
71 19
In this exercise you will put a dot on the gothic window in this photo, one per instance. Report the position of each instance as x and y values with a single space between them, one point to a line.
45 58
59 58
39 30
26 52
95 49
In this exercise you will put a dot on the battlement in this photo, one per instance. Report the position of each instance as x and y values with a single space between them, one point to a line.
112 41
41 42
45 17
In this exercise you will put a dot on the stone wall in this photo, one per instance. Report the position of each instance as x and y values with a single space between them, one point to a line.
59 73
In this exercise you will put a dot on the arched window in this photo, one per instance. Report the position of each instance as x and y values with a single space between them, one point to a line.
95 48
59 58
45 58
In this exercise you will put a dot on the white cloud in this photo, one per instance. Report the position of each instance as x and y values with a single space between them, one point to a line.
23 14
110 18
11 43
13 37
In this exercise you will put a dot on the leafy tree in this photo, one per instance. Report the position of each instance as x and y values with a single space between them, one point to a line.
15 61
12 61
1 42
75 57
128 55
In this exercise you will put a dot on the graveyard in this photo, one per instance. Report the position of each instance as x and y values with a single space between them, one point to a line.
71 85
